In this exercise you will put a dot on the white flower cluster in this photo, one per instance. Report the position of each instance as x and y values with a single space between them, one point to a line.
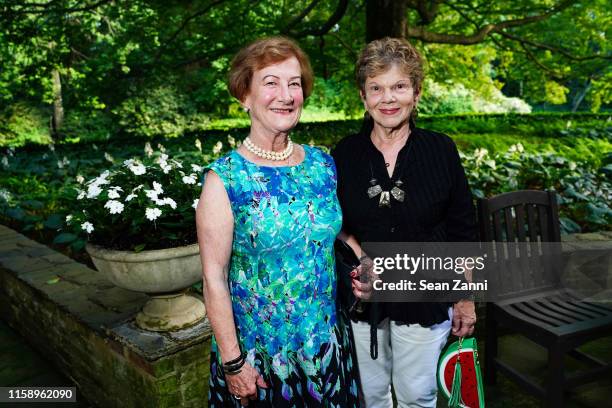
152 213
217 148
190 179
148 149
63 163
135 167
114 206
163 163
516 148
150 195
93 186
87 226
5 195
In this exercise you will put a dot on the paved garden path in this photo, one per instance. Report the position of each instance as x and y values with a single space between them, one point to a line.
21 365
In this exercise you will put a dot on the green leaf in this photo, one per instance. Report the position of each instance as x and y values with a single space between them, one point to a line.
55 221
65 238
139 247
568 226
16 213
33 204
54 280
78 245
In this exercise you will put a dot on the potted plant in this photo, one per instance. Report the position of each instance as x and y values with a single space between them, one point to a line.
139 218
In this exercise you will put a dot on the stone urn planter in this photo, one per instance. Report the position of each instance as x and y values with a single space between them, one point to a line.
163 274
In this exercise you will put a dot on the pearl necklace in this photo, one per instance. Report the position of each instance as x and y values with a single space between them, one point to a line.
268 154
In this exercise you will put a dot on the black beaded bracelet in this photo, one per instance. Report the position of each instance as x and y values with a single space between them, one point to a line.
233 367
236 360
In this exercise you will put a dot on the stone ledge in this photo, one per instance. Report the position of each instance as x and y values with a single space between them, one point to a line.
84 324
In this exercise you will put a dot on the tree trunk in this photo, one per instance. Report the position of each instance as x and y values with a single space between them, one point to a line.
58 107
385 18
580 96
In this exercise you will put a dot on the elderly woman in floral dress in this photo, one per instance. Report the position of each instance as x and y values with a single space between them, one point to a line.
267 219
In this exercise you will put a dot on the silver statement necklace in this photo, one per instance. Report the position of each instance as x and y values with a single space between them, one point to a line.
396 192
269 154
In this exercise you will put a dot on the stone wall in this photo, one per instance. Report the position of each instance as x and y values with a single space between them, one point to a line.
84 324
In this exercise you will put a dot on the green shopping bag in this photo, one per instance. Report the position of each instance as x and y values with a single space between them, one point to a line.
459 376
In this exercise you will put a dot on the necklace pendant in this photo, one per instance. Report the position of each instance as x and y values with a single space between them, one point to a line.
398 194
374 190
385 199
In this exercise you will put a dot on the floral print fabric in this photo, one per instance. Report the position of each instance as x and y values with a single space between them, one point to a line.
283 285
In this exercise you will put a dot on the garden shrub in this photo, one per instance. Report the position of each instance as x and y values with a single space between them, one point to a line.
22 123
161 110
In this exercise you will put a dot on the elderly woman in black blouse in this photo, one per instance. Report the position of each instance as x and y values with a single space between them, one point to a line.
423 197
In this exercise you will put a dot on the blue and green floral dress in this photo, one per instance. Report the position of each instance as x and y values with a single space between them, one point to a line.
283 285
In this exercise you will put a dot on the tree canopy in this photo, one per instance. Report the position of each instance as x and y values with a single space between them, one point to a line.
113 55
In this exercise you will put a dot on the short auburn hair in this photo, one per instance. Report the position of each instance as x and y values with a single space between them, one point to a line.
380 55
260 54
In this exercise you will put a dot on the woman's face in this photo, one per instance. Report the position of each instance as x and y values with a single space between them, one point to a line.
275 99
389 98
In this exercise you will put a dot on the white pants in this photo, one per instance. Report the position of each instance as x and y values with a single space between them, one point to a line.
407 356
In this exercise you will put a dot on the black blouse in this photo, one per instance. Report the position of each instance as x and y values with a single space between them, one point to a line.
437 206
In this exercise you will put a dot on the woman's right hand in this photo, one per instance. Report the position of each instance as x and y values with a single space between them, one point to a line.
245 383
363 279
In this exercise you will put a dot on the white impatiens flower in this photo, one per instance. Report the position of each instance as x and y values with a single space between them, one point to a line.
5 195
516 148
93 191
231 141
108 157
68 218
196 168
157 187
151 194
135 167
114 206
480 153
170 202
161 148
80 179
217 148
63 163
163 163
113 192
198 145
152 213
82 194
102 178
195 203
51 147
190 179
87 226
130 197
148 149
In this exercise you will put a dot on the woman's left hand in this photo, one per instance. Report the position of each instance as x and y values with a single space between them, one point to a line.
464 318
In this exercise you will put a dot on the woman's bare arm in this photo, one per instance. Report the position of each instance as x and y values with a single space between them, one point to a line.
215 226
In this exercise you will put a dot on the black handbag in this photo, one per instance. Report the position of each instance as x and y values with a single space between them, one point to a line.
346 261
